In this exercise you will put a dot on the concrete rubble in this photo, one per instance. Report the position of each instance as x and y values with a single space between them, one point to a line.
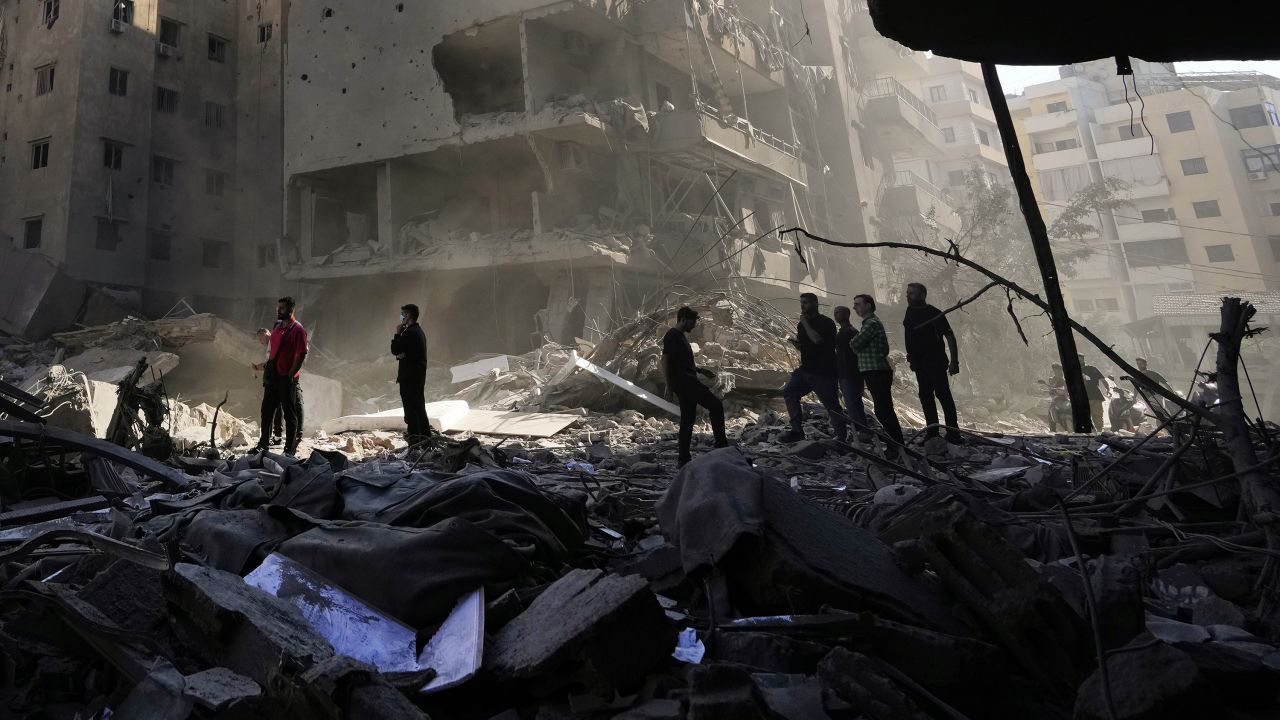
581 575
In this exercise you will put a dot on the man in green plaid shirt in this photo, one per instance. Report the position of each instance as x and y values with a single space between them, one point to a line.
871 345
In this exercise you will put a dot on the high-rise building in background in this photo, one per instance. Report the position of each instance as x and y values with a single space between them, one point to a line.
140 146
1200 157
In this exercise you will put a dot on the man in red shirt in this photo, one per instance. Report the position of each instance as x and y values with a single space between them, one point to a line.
280 387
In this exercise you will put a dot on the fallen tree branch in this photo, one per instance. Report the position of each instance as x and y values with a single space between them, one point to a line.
958 305
1030 297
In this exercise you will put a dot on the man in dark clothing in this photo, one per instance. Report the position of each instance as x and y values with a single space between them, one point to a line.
409 345
280 389
277 418
1093 387
924 329
871 346
816 340
682 381
1159 380
851 383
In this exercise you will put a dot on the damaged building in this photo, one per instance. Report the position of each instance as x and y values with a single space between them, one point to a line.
530 171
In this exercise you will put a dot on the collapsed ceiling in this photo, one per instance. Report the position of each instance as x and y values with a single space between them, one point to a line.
1017 32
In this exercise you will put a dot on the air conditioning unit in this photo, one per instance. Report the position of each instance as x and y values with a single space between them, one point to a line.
1258 176
118 25
164 50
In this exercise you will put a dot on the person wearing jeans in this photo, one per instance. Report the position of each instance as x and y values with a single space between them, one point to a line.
872 348
816 340
851 382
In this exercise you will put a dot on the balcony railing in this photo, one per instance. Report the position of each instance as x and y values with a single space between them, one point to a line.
888 87
906 178
746 128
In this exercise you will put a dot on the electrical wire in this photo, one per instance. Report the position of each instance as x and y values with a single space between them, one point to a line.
1167 222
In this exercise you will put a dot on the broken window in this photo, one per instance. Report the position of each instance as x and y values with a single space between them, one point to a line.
118 82
1180 121
1206 209
39 154
169 30
112 154
108 235
264 32
1194 166
214 182
32 232
1219 253
161 170
213 114
1056 107
159 245
481 69
212 252
166 100
1251 116
217 49
50 12
44 80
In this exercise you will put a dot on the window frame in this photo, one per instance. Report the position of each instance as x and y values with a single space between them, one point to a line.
118 79
113 154
1196 207
40 150
50 11
1191 121
168 165
218 114
937 97
162 94
215 179
27 223
177 32
1204 166
218 47
1059 106
1229 257
264 33
45 76
948 134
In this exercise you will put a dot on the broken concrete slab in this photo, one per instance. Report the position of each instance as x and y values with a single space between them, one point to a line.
112 365
627 385
1149 679
243 628
37 298
611 623
859 681
440 413
479 368
219 689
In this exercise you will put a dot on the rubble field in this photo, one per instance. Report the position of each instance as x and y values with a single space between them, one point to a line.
582 575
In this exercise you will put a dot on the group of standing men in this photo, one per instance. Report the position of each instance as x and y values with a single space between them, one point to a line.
836 359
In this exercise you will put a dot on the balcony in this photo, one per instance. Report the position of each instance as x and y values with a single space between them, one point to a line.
963 108
1158 188
1050 121
1117 149
1137 232
1059 159
906 194
902 121
707 136
735 41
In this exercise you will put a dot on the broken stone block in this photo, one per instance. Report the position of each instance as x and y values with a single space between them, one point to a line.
218 689
792 697
724 692
767 652
242 627
340 687
1149 679
611 623
856 679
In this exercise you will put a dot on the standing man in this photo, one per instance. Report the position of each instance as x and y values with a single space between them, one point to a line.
1093 385
851 384
277 417
1158 379
280 377
871 345
924 329
682 380
409 345
816 340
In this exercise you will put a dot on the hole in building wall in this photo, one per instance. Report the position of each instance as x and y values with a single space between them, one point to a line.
481 68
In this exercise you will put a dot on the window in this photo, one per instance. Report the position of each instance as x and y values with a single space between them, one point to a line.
1206 209
1158 215
1275 247
264 32
1251 116
44 80
217 49
169 32
50 12
214 182
1046 147
159 245
1272 117
1262 159
973 97
1059 185
32 229
166 100
938 93
161 170
984 138
266 254
1155 253
1275 209
1068 144
39 154
955 178
212 252
1084 305
112 154
1180 121
1108 304
123 11
108 234
118 82
1056 107
213 113
1194 166
949 134
1130 132
1219 253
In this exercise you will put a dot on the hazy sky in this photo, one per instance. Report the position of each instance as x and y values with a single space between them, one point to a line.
1016 77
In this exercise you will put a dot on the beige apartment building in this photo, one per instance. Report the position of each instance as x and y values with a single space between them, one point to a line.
1199 154
140 146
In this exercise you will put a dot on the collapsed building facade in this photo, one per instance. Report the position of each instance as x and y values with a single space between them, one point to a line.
529 171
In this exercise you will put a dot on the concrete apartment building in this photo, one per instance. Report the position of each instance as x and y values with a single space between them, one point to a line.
527 169
139 146
1205 214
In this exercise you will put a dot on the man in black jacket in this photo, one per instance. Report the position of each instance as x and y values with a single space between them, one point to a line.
682 381
409 345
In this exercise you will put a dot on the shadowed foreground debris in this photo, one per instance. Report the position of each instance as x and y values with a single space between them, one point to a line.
580 576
